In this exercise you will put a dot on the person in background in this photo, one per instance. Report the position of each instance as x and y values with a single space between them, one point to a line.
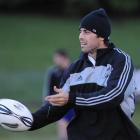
52 78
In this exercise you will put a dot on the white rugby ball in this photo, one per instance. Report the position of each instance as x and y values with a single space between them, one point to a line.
14 115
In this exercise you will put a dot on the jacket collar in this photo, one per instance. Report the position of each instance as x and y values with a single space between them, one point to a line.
100 52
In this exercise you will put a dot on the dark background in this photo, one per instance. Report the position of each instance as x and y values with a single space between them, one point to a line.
116 8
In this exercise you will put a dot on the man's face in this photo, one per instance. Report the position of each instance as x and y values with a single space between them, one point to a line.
88 40
57 59
61 61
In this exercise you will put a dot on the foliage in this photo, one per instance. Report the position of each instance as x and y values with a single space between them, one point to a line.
71 7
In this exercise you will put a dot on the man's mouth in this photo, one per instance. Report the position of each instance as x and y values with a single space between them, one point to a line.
82 43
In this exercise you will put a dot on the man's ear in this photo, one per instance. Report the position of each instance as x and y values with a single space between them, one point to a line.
101 38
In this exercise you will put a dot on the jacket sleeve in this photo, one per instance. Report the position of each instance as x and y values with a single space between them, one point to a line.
48 114
113 94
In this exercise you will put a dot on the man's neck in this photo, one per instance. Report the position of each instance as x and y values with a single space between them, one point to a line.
93 53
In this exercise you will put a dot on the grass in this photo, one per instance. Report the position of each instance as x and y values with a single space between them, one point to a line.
46 133
27 43
26 47
126 36
34 40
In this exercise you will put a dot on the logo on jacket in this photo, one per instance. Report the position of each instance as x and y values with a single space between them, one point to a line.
79 78
108 71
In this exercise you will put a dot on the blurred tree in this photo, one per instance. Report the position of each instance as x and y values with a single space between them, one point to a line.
80 7
127 8
125 5
12 3
72 7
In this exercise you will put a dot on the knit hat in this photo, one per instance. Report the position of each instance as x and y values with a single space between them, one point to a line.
97 22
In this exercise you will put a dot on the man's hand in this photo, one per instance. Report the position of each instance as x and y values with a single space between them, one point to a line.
59 99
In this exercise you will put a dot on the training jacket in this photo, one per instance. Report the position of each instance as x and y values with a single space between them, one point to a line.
102 96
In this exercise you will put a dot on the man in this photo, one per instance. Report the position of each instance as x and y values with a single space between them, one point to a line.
52 78
53 75
99 86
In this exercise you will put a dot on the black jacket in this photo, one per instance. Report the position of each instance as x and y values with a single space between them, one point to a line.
97 94
52 77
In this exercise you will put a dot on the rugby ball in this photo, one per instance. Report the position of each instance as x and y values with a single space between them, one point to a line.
14 115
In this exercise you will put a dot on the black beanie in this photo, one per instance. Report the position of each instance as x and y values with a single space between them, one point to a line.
97 22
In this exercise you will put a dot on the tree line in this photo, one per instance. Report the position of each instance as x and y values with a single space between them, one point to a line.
71 7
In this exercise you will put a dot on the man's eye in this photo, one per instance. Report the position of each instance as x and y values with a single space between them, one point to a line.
87 31
84 31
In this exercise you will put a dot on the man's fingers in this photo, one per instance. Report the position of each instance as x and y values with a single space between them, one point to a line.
57 96
58 90
60 99
60 102
57 99
57 102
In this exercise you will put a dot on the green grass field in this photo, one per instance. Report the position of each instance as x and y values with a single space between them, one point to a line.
26 46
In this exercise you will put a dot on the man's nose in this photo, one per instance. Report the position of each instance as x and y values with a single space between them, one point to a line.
80 35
